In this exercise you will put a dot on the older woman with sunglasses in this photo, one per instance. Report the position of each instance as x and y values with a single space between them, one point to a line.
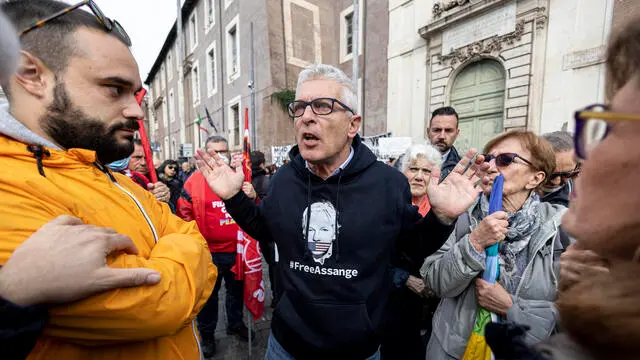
527 231
599 309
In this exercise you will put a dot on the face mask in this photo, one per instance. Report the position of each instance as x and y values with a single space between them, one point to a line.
119 165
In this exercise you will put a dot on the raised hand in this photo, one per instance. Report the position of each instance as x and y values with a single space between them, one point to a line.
460 189
222 179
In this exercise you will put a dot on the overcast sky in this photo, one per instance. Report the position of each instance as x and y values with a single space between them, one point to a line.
146 21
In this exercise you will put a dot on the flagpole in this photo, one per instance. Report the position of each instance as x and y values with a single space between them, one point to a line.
179 60
250 321
254 132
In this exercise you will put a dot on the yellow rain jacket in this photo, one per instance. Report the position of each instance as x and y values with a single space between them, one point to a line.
146 322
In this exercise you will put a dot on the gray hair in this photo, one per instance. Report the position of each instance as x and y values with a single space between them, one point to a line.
561 141
215 139
415 151
328 72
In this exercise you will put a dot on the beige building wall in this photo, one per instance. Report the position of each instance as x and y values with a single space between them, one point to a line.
550 53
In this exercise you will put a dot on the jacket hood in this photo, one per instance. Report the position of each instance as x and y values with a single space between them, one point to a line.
362 159
13 128
18 141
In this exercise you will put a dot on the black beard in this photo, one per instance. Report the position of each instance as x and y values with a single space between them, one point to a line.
443 147
71 128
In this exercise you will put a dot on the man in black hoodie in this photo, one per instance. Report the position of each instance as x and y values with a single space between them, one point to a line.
340 219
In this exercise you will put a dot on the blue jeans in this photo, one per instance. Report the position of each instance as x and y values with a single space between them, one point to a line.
275 351
208 316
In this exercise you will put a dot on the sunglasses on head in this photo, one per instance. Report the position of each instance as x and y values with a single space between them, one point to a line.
108 24
506 159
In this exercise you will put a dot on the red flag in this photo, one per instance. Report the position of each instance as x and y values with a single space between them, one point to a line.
251 273
248 266
145 140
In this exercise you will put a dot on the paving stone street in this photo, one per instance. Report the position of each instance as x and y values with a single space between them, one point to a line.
230 347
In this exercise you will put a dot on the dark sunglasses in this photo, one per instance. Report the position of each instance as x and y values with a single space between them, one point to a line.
566 174
320 106
108 24
506 159
171 167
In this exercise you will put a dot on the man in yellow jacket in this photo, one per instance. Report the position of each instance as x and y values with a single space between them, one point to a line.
73 109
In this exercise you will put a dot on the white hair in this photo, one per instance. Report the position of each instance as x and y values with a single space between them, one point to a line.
328 72
9 50
415 151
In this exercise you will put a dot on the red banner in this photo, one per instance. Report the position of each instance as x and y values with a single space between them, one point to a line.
249 257
148 156
248 253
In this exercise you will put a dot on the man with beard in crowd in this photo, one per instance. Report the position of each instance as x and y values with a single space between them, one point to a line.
73 109
443 132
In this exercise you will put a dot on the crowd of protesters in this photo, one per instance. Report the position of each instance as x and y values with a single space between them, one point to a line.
368 260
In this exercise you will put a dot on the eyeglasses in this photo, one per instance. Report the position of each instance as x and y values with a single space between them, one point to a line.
506 159
592 126
320 106
171 167
109 25
566 174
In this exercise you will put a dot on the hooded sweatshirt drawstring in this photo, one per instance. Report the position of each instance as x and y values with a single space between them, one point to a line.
38 151
307 251
337 214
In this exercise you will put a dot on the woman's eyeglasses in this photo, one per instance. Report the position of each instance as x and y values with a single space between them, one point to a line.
592 126
108 24
506 159
416 170
320 106
172 167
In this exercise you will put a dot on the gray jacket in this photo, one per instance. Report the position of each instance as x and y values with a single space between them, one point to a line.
450 273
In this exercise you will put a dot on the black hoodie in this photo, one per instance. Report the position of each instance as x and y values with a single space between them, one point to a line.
335 288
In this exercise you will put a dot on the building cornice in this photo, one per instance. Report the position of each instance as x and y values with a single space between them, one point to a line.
447 13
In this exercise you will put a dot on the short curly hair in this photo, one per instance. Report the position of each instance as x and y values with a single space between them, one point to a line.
542 156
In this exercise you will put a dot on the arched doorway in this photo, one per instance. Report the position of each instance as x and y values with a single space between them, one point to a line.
477 95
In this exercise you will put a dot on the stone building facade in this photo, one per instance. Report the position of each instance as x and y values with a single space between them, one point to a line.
503 64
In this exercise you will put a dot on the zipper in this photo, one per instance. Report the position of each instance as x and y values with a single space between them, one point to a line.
144 213
155 237
138 204
538 248
195 335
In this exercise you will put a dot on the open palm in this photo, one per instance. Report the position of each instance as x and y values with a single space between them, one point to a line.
460 188
222 179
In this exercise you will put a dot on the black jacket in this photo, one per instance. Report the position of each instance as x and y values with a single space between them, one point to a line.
449 163
260 182
560 196
335 287
20 328
175 188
